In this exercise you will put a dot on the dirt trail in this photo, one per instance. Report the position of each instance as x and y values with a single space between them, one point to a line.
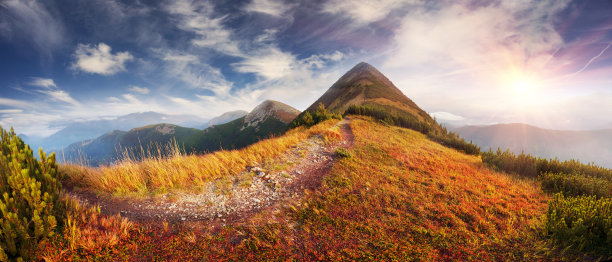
239 197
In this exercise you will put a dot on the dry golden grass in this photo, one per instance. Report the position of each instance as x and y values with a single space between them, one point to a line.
160 173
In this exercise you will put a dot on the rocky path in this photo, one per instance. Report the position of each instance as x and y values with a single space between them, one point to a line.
236 197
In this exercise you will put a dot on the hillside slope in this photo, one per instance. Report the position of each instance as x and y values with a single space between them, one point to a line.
115 145
395 195
586 146
269 118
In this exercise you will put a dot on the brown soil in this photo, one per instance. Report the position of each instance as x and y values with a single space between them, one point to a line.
237 198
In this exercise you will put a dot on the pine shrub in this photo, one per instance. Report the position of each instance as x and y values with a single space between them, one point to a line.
29 198
311 118
584 223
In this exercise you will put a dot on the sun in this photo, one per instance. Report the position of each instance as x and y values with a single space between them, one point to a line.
521 87
519 82
523 84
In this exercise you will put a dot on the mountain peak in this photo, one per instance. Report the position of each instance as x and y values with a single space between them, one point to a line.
364 73
271 108
365 85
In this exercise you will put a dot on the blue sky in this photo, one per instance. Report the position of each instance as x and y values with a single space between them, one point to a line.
542 62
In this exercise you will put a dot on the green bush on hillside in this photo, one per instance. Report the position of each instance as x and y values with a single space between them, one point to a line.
406 121
532 166
584 223
311 118
576 184
29 200
580 220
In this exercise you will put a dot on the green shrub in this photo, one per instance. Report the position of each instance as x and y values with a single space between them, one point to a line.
532 166
311 118
453 140
583 223
343 153
380 113
576 184
29 201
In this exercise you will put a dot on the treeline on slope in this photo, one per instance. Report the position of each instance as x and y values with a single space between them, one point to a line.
433 130
580 214
30 208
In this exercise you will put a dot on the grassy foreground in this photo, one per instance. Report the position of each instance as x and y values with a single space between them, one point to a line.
395 196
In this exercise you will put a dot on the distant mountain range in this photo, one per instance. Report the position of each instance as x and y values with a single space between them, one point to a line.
79 131
268 118
225 117
586 146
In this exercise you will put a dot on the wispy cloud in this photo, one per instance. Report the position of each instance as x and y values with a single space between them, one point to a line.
139 90
31 21
10 111
190 70
42 82
59 95
99 59
15 103
269 7
364 11
198 17
271 63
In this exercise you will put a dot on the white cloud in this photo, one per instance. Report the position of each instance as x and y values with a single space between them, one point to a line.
364 11
198 17
15 103
189 69
50 90
59 95
32 19
270 7
99 59
10 111
271 63
140 90
42 82
457 56
468 36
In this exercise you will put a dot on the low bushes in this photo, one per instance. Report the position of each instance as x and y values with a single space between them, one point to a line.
583 222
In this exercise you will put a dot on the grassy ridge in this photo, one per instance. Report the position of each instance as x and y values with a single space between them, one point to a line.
158 174
395 196
393 116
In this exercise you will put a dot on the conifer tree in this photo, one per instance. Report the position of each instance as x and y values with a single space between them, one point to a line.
29 197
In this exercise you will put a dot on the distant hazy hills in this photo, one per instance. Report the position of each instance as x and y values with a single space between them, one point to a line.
79 131
268 118
225 117
586 146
